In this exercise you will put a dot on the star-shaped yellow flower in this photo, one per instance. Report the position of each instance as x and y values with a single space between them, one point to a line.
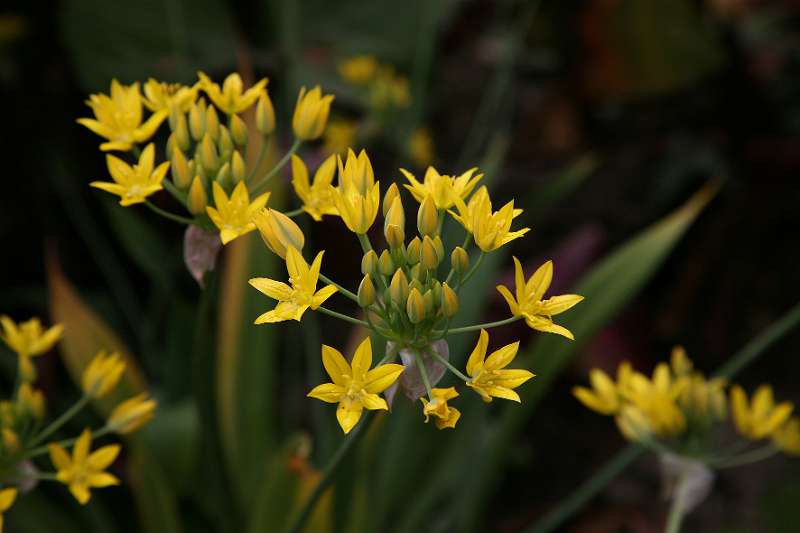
657 399
490 229
133 184
28 339
317 197
357 197
159 95
118 118
7 497
761 417
84 470
234 216
538 313
442 188
787 437
604 396
354 386
446 416
231 98
295 299
490 378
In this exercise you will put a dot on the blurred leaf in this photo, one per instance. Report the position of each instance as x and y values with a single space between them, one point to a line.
172 438
35 512
158 508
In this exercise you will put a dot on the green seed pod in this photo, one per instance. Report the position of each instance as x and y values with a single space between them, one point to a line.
366 292
238 130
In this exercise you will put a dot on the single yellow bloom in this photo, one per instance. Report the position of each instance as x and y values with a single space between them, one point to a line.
339 136
603 397
132 414
317 196
231 98
118 118
443 189
354 386
311 113
234 216
28 338
760 418
160 95
446 416
7 497
489 376
279 232
490 229
102 374
787 436
357 197
84 470
358 70
538 313
31 400
133 184
295 299
657 399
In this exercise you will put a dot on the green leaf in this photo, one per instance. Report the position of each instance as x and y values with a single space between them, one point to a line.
155 500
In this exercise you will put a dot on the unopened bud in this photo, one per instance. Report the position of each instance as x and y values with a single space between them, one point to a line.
398 288
225 143
369 263
439 245
265 114
388 199
366 292
279 231
180 169
198 200
416 284
197 122
208 154
394 224
238 169
223 176
412 251
415 307
449 301
182 138
427 299
459 260
238 130
385 263
212 122
428 217
174 113
428 257
436 289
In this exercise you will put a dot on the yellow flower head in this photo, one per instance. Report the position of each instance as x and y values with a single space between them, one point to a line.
490 378
446 416
538 313
7 497
29 338
132 414
317 196
31 400
84 470
657 398
354 386
102 374
295 299
759 419
234 216
339 136
490 229
133 184
443 189
278 231
704 399
231 98
159 95
118 118
603 397
357 197
358 70
787 436
311 113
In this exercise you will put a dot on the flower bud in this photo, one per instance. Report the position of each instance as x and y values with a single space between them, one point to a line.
366 292
415 307
10 441
449 301
238 130
412 251
388 199
31 400
394 224
459 260
416 284
212 122
311 113
398 288
225 142
223 176
436 289
170 143
385 263
427 299
394 236
102 374
428 217
182 138
180 169
238 169
172 118
208 154
198 199
131 414
197 122
369 263
278 231
265 114
439 245
428 258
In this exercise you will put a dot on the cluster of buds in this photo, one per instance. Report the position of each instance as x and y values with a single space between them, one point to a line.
384 87
26 437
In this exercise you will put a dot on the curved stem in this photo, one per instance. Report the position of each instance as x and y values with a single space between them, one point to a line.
340 316
167 214
676 509
449 366
485 325
65 417
424 373
753 456
341 289
260 184
295 212
472 270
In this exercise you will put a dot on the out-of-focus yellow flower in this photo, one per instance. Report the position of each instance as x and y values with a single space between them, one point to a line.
354 386
680 362
389 89
29 339
339 136
420 147
490 229
443 189
84 470
159 95
295 299
132 414
490 378
31 400
231 98
704 399
538 313
133 184
603 397
358 70
633 423
657 399
7 497
234 216
311 113
118 118
11 443
317 196
357 197
787 436
759 419
446 416
279 232
102 374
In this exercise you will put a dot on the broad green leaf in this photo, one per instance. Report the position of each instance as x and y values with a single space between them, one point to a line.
155 500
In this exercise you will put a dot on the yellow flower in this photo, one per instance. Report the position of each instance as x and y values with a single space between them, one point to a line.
702 398
443 189
354 386
234 216
231 98
339 136
357 197
490 229
538 313
102 374
28 339
657 399
31 400
760 418
420 147
133 184
358 70
7 497
317 197
118 118
489 376
278 231
680 362
159 95
295 299
787 436
84 470
633 423
11 444
446 416
389 89
603 397
132 414
311 113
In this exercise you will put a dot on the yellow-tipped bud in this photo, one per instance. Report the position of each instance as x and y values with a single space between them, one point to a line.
265 114
212 122
238 130
197 122
238 168
208 154
394 236
398 288
180 169
279 231
415 307
131 414
366 292
182 138
415 284
459 260
31 400
311 113
428 257
427 299
394 224
449 301
198 199
388 199
369 263
428 217
225 142
102 374
412 251
385 263
436 289
224 174
172 118
439 245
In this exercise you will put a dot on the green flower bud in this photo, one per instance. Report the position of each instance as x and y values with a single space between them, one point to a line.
437 242
238 130
428 217
369 263
428 257
171 143
388 199
238 168
197 122
394 236
366 292
182 138
427 299
449 301
197 200
412 252
180 169
436 288
398 288
265 114
208 154
459 260
415 307
174 113
416 284
385 263
212 122
225 143
223 176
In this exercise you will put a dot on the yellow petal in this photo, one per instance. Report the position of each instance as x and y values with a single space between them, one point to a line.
348 415
382 377
362 359
327 392
502 358
475 361
336 366
103 457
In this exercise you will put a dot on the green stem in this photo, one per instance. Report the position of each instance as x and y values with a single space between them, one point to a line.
262 155
261 184
472 270
676 509
465 246
449 366
366 245
424 373
340 316
341 289
65 417
167 214
753 456
485 325
41 450
294 212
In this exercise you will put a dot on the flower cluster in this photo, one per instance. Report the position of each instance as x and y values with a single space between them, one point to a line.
26 437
